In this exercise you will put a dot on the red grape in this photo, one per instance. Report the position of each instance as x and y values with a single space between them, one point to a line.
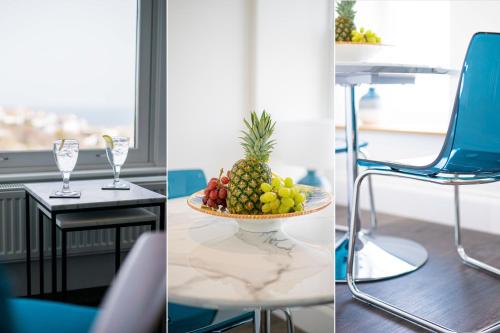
214 194
224 180
205 199
212 185
223 193
206 192
211 203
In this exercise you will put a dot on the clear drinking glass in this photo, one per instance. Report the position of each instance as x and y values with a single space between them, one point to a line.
66 153
117 151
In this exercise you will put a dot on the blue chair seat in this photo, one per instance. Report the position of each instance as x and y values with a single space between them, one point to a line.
29 315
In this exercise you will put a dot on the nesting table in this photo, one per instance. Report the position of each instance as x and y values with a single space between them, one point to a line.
93 198
213 264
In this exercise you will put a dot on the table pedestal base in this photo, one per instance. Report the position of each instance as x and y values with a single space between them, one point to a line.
379 257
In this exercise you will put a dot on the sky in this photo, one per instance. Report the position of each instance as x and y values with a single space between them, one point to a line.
60 54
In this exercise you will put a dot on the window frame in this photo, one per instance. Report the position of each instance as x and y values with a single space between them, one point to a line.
149 150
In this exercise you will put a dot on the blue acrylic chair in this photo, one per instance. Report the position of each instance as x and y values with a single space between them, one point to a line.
181 318
470 155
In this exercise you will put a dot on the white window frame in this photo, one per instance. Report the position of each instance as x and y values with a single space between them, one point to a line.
150 106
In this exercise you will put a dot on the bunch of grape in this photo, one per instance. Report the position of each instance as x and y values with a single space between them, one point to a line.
281 196
216 192
363 36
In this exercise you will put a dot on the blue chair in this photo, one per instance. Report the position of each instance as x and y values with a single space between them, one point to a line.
181 318
123 310
470 155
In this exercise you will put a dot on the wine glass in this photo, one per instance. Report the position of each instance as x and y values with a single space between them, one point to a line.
66 153
117 151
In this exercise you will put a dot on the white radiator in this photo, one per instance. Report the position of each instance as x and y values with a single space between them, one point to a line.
12 229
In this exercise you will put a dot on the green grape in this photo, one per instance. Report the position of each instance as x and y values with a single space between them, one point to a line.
265 187
361 29
298 208
266 208
267 197
294 192
276 182
372 40
287 202
288 182
283 209
378 39
284 192
299 198
275 211
275 204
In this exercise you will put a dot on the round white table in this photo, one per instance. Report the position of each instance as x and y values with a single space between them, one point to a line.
213 264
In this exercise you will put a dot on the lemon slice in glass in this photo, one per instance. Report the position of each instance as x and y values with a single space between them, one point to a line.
109 140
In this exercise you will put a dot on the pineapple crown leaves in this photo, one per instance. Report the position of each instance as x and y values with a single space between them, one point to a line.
256 140
345 9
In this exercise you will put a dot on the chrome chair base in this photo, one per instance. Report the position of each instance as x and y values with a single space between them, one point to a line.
381 257
354 235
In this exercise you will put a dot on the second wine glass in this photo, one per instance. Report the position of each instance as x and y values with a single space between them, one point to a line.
117 151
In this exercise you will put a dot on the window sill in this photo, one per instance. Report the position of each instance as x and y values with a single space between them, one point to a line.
388 129
127 173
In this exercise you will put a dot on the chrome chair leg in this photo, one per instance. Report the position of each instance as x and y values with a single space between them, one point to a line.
289 320
376 302
262 321
373 213
458 242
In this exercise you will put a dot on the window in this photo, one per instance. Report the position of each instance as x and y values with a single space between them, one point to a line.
78 69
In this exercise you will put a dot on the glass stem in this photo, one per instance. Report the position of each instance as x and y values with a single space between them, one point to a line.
116 171
66 181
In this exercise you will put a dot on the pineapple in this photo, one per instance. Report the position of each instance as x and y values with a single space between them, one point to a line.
344 23
248 174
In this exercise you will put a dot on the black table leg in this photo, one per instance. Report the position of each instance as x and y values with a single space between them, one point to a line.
118 239
28 244
54 253
162 216
40 250
64 263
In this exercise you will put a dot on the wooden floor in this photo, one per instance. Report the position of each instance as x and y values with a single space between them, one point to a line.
443 290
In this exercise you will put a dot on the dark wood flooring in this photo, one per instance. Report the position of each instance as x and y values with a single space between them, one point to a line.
443 290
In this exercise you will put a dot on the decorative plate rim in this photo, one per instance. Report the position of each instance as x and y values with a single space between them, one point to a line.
258 217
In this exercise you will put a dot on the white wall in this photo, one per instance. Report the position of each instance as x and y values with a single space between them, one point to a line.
208 88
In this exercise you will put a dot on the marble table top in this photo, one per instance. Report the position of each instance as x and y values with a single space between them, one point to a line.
212 264
92 196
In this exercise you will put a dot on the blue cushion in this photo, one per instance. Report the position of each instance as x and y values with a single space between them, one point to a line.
35 316
183 318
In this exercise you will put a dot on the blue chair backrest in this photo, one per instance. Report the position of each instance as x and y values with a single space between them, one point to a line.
182 183
472 144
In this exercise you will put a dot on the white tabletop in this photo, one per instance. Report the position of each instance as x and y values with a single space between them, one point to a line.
383 73
92 196
212 264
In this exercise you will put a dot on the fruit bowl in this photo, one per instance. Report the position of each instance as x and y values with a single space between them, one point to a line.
347 51
316 200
